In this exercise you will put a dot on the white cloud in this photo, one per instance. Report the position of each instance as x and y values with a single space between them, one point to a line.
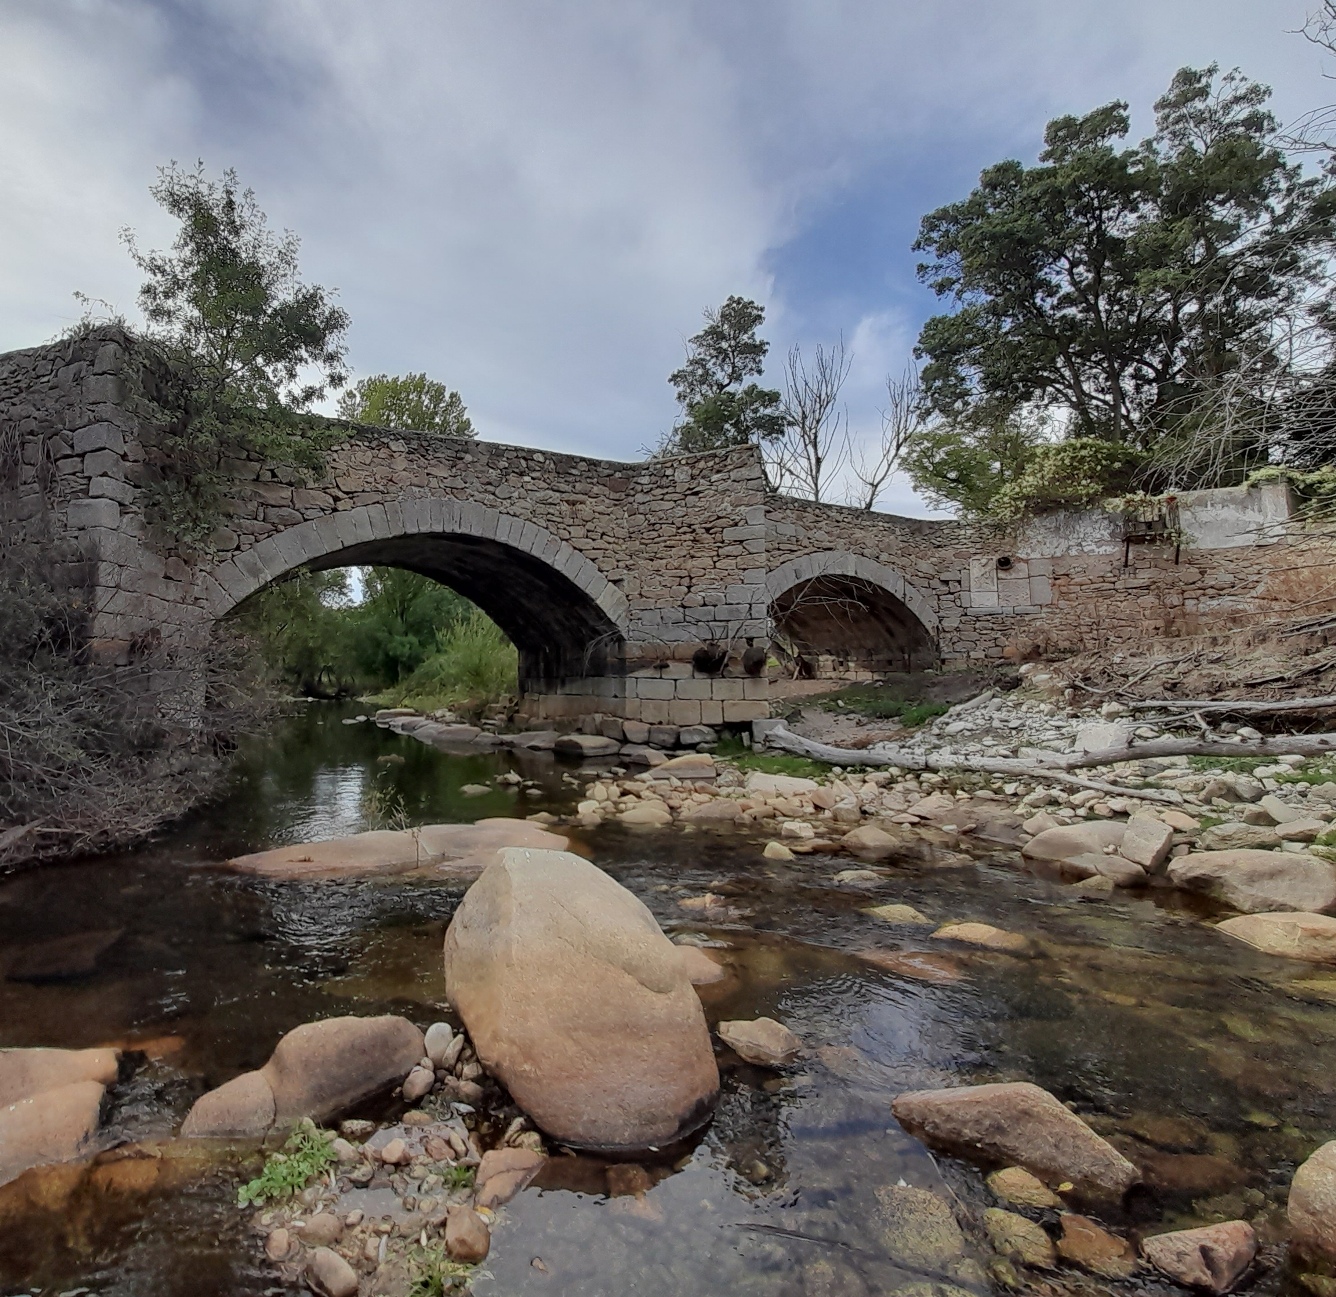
534 200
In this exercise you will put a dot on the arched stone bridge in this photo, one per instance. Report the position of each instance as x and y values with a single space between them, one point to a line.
606 576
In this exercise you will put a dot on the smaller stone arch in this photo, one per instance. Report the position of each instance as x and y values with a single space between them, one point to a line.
851 615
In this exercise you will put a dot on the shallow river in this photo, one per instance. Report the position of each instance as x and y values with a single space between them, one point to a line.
1212 1066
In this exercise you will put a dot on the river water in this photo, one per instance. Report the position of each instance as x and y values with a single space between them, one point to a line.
1213 1067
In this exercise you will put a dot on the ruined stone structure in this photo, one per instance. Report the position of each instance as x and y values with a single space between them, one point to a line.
608 576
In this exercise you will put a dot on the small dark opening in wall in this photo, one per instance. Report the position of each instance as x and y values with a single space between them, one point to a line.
1004 563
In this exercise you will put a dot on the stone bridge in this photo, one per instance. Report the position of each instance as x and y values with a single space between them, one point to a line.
606 576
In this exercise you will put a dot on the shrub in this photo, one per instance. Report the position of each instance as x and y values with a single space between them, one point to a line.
473 662
1072 474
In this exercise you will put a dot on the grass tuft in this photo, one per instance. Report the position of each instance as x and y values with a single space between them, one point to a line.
879 703
434 1273
304 1155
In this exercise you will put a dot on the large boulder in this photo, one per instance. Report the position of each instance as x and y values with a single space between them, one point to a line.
1147 840
1074 840
760 784
577 1002
25 1072
1312 1205
53 1125
458 850
1017 1124
1213 1257
317 1070
1295 936
1258 881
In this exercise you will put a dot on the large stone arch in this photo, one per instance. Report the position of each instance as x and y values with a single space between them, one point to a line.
853 610
565 618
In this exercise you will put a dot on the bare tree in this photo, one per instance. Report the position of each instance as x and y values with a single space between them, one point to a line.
816 443
899 420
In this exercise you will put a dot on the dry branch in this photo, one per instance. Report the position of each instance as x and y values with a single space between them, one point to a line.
1241 705
1059 767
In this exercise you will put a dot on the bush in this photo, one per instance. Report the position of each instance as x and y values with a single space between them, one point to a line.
1073 474
473 662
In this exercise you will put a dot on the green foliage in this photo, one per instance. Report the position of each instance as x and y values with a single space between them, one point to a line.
305 1155
458 1177
1115 285
300 627
410 403
473 662
241 348
881 704
395 628
770 763
1071 474
1317 488
965 464
720 407
434 1273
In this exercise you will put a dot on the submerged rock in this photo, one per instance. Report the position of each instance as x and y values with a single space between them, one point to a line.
1019 1238
1310 937
456 850
1074 840
1093 1248
764 1041
1015 1184
1213 1258
1258 881
61 958
1017 1123
503 1172
983 934
919 1229
577 1002
317 1070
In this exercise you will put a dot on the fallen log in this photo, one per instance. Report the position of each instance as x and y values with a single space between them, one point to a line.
1239 705
1058 767
783 737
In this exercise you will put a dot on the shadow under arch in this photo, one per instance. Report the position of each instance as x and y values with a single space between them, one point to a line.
861 613
566 620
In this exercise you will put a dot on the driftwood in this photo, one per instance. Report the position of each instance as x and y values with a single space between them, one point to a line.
1056 770
1240 705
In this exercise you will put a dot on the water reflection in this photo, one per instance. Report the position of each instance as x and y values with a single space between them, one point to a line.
1210 1065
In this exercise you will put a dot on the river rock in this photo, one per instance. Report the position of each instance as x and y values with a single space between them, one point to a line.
700 968
316 1071
918 1229
690 736
53 1125
503 1172
1146 841
1118 870
586 746
25 1072
763 1041
760 784
324 1229
1213 1258
437 1041
576 1001
872 843
456 850
418 1083
906 914
330 1274
61 958
693 766
1302 830
635 732
638 754
983 934
718 810
1280 812
776 851
1019 1238
467 1237
1234 835
1017 1123
1074 840
1311 937
652 814
1015 1184
1312 1205
1093 1248
1258 881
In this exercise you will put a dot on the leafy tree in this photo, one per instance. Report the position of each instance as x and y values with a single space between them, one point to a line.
247 346
721 408
300 626
964 466
1113 286
395 627
410 403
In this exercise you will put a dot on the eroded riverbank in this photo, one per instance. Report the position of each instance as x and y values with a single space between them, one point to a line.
1212 1067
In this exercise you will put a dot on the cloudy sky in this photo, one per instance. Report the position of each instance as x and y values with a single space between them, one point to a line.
533 200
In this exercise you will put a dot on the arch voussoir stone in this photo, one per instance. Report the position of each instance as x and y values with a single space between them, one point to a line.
843 563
